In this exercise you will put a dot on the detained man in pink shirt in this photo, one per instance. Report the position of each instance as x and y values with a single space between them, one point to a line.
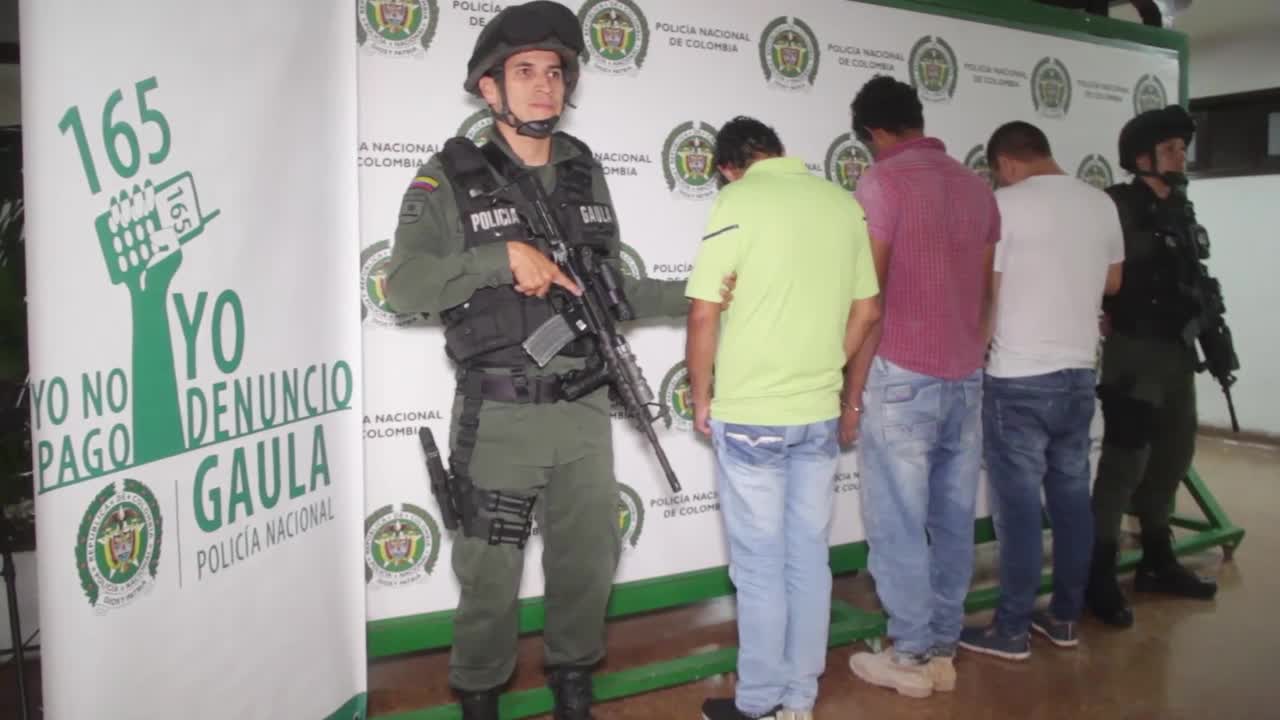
913 394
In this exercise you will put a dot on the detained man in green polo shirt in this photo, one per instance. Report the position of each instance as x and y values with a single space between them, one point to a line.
806 296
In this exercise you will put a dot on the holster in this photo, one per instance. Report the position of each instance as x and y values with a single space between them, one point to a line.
492 515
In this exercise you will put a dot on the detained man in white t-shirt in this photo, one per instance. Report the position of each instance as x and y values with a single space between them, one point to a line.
1061 249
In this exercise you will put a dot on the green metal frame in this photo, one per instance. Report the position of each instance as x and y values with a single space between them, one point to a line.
396 636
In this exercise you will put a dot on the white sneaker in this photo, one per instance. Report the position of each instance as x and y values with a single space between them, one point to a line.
881 669
795 715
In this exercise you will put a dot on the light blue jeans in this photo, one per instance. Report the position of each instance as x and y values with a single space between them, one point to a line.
776 486
919 452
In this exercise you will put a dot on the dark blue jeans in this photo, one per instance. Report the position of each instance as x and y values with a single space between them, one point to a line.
1036 435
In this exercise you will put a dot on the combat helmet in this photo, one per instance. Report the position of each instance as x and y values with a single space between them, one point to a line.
1140 135
537 25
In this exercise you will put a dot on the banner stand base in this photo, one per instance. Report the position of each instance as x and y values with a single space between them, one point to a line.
9 573
848 624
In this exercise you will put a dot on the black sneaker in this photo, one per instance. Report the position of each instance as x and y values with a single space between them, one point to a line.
1059 632
990 641
725 709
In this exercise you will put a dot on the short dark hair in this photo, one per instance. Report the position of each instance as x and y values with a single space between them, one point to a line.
1019 140
886 104
742 139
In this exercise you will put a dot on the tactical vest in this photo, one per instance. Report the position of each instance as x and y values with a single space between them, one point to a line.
487 330
1150 302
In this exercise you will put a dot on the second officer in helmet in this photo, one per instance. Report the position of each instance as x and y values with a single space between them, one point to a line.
1149 362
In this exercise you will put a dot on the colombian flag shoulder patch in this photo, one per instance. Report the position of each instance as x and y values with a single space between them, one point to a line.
425 183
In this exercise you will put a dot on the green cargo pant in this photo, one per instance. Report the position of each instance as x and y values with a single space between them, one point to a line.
1148 395
577 515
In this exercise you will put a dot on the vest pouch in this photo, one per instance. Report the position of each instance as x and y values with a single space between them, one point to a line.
590 224
1146 246
492 320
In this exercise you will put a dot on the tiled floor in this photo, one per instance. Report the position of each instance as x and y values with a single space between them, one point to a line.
1183 659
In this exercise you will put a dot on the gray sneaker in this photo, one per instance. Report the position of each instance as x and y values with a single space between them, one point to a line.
1059 632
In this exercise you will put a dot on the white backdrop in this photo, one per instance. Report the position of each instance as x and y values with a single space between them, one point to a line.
676 71
196 374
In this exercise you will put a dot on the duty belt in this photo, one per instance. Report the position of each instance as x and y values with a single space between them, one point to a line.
514 388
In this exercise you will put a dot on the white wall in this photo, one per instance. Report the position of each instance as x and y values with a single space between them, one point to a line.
1242 217
1220 66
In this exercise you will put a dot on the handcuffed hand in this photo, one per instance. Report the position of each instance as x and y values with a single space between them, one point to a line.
850 417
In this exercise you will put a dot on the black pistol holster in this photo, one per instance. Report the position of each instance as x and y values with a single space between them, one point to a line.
494 516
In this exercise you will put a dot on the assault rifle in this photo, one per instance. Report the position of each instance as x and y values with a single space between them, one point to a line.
1207 326
593 314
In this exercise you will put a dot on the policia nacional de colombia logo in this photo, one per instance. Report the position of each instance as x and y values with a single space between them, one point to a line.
976 161
1051 88
401 545
934 71
616 35
789 54
676 398
631 263
118 544
1096 171
397 27
373 288
476 127
846 160
630 516
688 160
1149 94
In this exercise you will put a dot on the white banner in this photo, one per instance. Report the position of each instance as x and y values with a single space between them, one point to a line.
195 354
663 75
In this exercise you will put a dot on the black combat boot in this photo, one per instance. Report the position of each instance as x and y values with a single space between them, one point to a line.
479 705
1160 572
571 687
1103 596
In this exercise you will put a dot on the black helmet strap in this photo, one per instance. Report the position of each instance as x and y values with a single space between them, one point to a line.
1172 179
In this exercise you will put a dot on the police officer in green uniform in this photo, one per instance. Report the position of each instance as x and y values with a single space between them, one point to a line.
1147 385
463 252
